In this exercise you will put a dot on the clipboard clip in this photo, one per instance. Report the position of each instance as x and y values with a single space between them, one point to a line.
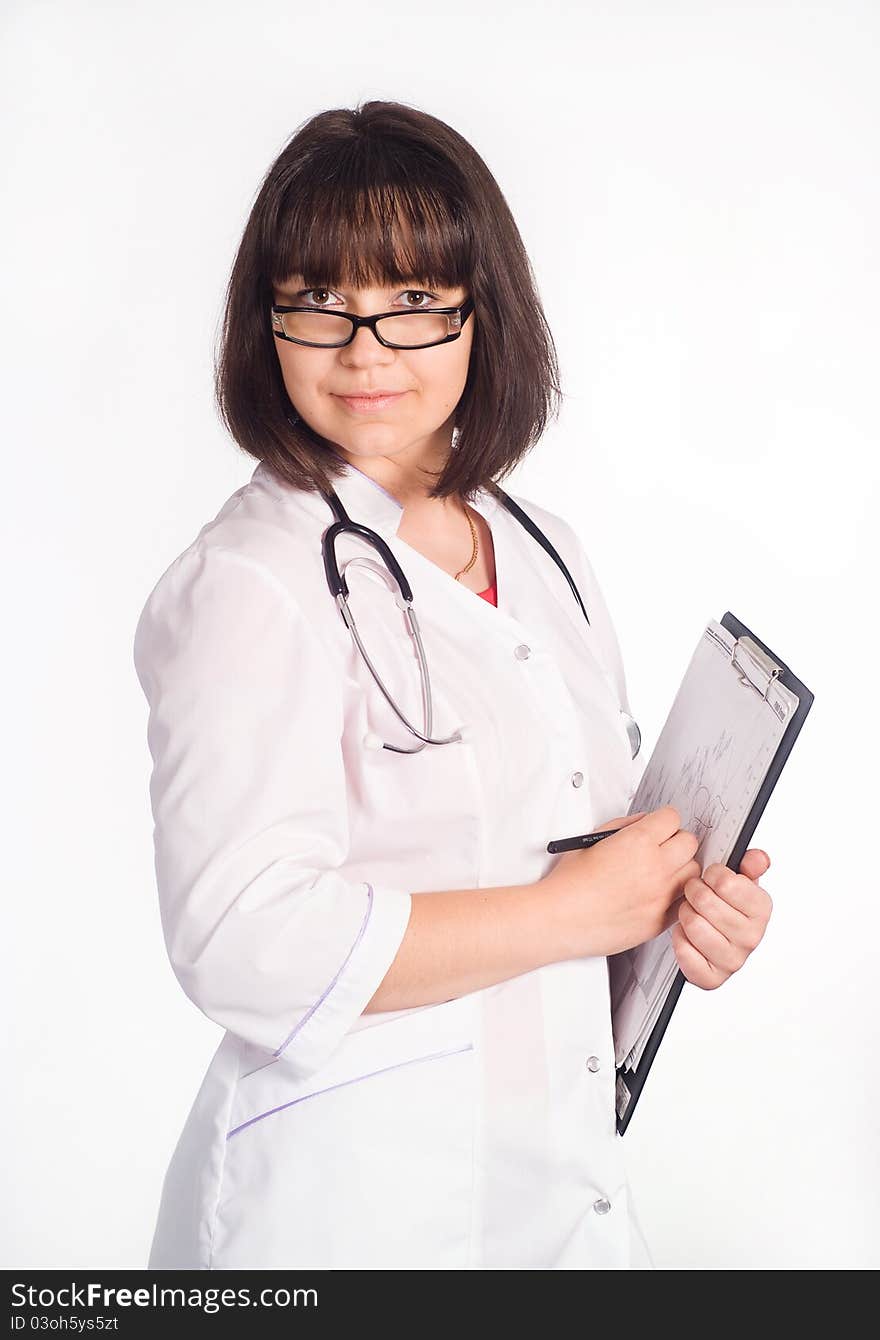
759 659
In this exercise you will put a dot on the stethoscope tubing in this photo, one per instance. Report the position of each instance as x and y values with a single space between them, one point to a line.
404 599
403 596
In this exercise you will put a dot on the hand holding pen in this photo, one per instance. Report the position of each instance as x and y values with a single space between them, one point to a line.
716 917
608 896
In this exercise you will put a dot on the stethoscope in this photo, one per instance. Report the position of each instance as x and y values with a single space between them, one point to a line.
395 579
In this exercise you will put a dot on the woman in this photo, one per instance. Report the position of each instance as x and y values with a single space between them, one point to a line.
417 1068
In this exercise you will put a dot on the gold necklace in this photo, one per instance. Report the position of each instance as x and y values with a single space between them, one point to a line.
476 545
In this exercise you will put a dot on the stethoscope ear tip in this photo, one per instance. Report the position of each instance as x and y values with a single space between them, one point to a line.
372 741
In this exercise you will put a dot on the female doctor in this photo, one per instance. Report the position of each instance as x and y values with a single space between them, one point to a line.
375 696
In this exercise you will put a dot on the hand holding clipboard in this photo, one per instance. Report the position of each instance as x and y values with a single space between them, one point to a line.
729 732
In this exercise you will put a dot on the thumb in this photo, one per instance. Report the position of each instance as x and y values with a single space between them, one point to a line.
755 863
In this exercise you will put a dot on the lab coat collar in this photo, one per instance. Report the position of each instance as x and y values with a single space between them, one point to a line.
369 503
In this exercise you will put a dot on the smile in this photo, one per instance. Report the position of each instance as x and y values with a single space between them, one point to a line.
370 404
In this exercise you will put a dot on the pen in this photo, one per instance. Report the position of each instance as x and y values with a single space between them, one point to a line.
584 840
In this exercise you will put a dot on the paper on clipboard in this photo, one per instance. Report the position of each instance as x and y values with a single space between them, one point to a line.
711 773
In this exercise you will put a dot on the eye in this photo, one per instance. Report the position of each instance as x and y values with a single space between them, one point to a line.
304 293
431 297
303 297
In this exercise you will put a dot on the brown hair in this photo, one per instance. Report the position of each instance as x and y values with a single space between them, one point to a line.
384 193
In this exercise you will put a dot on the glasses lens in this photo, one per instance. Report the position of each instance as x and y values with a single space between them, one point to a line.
412 329
316 327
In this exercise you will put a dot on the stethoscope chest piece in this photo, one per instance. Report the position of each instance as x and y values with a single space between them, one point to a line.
632 730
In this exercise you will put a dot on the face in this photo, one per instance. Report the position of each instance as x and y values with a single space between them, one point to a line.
415 425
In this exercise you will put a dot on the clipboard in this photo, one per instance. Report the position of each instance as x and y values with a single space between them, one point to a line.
728 657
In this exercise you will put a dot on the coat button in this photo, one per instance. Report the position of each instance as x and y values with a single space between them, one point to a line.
601 1206
593 1063
522 651
577 779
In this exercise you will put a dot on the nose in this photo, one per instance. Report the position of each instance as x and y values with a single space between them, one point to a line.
365 349
365 335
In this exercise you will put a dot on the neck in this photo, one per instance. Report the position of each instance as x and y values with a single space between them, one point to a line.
406 477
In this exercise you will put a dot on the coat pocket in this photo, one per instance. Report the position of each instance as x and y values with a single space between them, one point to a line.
367 1164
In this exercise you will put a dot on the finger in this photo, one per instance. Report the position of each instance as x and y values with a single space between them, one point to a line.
671 917
754 863
681 850
681 846
695 966
734 925
739 891
722 953
662 823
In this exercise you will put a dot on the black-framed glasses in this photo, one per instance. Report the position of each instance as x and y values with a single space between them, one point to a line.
418 329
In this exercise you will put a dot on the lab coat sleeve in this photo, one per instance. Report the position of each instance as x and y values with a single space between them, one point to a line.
248 791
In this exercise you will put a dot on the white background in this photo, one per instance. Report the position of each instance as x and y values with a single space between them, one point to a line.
697 187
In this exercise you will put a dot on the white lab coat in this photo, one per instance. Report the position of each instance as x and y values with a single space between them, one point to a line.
478 1133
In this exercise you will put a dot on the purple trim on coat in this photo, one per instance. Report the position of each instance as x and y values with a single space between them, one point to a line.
370 480
452 1051
308 1014
378 486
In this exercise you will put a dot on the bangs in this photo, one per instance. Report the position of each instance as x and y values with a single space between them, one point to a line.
339 227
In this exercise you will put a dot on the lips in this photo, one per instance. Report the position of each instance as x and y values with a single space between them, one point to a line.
365 402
